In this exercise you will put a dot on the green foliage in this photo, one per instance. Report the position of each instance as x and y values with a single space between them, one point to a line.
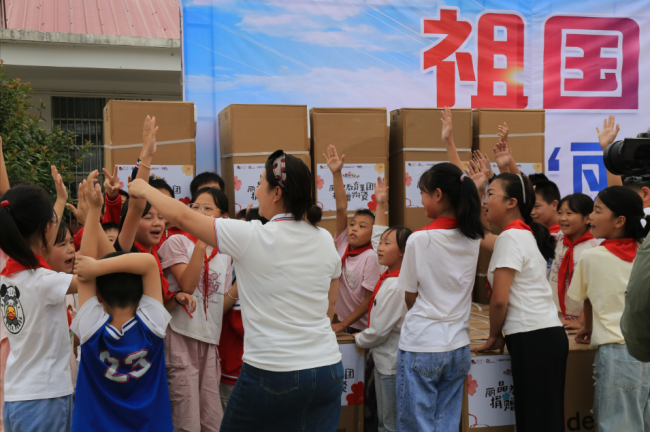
29 149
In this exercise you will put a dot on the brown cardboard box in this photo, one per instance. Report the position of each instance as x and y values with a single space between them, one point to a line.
360 134
123 132
250 133
526 134
415 136
351 415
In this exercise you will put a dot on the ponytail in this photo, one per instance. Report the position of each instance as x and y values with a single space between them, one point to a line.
462 194
623 201
27 210
518 187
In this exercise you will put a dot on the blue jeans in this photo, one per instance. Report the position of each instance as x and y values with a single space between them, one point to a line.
386 401
430 390
40 415
307 400
622 393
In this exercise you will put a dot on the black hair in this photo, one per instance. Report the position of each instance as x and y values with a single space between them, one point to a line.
365 212
536 178
125 209
578 203
548 191
636 183
512 186
123 193
28 213
16 183
110 225
297 191
121 290
241 214
64 228
158 183
206 178
402 234
254 214
625 202
462 194
219 197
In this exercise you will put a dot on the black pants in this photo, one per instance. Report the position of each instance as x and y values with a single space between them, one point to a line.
538 373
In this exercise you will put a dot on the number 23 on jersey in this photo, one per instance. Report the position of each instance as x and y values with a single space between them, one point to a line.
138 362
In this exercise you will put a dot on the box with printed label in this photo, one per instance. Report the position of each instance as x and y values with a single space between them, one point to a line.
353 385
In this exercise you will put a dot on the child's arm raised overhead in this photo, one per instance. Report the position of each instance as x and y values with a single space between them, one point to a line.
335 165
503 156
136 207
381 195
448 139
59 205
503 139
4 178
605 138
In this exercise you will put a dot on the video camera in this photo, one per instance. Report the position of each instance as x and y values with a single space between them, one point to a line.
630 156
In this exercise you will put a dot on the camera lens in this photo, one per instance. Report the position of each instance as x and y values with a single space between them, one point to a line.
630 156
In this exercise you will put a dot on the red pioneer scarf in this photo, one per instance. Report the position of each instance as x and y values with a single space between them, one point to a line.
349 253
15 267
441 223
381 280
624 248
566 268
555 228
206 271
518 224
167 295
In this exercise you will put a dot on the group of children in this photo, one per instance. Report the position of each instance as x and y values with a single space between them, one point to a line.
157 332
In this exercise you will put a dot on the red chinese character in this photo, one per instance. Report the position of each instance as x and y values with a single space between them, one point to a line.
455 34
500 62
591 63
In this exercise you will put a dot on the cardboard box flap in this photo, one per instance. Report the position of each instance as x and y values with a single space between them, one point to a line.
335 110
265 111
520 122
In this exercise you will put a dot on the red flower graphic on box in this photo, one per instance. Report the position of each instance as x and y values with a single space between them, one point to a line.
185 200
408 179
372 205
471 385
319 182
357 395
237 183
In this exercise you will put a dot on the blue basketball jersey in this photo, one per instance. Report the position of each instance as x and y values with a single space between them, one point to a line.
122 381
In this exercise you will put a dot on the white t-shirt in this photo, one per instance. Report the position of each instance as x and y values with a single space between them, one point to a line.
178 249
38 366
530 303
439 265
284 271
573 307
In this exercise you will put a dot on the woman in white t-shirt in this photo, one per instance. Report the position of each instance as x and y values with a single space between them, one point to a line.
288 269
522 307
38 386
622 392
437 276
193 368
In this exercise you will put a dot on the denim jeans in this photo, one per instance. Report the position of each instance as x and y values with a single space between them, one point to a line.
307 400
430 390
386 401
40 415
622 394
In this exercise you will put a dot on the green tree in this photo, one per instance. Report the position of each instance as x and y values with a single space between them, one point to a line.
29 150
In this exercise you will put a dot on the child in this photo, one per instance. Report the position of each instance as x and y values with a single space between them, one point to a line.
37 383
572 241
437 276
193 369
386 311
547 198
600 280
111 229
521 306
206 179
121 324
360 270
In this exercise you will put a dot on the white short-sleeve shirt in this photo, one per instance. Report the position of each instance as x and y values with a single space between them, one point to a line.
530 303
439 265
284 271
34 313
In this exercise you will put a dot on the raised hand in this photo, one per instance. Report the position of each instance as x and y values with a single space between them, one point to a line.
61 190
187 300
608 134
149 130
479 175
86 268
503 132
92 191
446 124
137 188
332 159
81 211
112 183
503 156
381 191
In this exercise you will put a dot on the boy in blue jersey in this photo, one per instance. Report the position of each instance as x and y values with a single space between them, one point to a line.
122 383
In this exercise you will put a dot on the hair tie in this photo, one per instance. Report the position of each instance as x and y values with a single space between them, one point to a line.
462 177
523 188
4 203
280 169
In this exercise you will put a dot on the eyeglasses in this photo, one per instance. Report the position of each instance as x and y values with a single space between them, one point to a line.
489 194
206 209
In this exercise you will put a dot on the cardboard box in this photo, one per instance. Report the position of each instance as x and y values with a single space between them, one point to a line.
351 415
123 132
361 134
526 135
248 134
415 137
